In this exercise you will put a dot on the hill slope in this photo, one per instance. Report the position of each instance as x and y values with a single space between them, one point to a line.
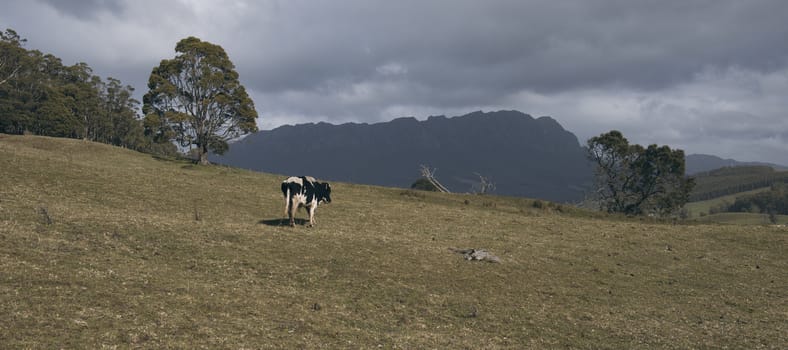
698 163
524 156
103 247
732 180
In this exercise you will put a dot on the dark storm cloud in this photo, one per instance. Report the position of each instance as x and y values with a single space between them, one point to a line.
85 9
685 73
545 46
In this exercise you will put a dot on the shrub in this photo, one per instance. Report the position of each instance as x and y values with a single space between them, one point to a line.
423 184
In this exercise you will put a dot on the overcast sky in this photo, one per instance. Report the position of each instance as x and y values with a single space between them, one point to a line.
707 76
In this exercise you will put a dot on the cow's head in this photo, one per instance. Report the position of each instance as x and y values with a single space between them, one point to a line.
325 192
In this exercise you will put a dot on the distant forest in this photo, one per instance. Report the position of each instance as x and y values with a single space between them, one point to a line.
42 96
731 180
774 201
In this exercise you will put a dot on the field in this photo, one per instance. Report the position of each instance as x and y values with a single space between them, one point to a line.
702 208
734 180
101 247
699 211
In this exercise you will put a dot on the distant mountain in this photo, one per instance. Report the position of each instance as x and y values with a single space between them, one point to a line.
522 155
698 163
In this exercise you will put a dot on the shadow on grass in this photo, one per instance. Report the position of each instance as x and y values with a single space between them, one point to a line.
163 158
281 222
188 162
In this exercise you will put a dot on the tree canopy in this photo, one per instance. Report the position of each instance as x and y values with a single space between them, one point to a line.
197 100
635 180
11 53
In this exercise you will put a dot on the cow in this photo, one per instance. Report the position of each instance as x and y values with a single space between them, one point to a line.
304 191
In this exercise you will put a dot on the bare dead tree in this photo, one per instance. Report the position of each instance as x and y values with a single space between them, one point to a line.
429 174
485 185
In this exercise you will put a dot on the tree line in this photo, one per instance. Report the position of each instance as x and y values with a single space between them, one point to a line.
40 95
194 100
772 202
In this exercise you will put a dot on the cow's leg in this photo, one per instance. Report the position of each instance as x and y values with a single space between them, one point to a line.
287 197
311 211
292 212
287 207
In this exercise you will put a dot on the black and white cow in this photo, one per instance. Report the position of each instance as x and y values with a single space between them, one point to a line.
304 191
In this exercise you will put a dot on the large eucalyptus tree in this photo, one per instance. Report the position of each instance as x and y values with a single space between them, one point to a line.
635 180
197 100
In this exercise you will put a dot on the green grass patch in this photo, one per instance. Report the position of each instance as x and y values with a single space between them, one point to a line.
703 208
100 248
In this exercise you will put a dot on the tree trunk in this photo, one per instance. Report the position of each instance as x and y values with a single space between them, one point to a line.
203 152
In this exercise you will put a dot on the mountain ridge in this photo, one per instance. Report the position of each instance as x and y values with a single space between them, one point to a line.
524 156
699 163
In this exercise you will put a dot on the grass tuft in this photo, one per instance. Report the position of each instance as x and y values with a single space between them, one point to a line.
46 219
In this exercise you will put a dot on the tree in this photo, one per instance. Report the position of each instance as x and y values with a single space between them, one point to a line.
81 89
11 54
118 111
484 186
197 100
634 180
33 101
12 61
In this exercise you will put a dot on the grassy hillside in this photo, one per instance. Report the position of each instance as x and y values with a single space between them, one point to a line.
700 211
723 186
101 247
728 181
735 218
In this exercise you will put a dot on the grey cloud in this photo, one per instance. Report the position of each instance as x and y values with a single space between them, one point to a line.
544 46
86 9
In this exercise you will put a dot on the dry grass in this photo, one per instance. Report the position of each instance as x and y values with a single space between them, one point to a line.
100 248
